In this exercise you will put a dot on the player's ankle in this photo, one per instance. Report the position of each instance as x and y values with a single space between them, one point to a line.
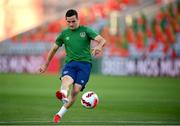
65 100
62 111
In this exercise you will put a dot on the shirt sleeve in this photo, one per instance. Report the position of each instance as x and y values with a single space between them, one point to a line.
91 33
59 39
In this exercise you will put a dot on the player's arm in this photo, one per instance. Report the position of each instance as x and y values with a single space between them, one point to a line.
99 47
51 53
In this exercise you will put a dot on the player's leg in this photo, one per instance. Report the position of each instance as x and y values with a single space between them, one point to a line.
74 93
66 82
67 77
62 95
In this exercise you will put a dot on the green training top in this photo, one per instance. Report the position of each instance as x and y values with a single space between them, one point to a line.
77 43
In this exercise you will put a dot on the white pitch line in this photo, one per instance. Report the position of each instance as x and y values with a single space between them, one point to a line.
92 122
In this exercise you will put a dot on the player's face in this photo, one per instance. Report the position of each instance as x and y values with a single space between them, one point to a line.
72 22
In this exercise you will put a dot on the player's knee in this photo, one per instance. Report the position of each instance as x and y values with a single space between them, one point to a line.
67 80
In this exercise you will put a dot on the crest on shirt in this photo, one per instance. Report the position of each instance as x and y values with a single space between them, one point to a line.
82 34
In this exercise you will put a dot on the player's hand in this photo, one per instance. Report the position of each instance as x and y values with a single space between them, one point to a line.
43 68
97 50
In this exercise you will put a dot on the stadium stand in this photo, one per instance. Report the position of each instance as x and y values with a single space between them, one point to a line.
143 30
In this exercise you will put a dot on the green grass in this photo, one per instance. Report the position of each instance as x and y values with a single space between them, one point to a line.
30 99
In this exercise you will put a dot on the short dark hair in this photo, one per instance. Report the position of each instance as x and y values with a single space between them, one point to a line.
71 12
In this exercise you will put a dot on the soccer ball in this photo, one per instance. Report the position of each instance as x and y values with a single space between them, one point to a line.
89 100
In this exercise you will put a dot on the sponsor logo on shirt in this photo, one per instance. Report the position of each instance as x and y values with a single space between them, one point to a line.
67 38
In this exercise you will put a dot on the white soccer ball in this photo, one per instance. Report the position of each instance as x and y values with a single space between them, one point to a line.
89 99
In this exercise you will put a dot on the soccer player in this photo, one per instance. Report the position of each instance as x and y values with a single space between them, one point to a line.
76 71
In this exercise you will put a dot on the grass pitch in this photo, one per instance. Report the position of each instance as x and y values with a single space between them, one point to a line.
27 99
